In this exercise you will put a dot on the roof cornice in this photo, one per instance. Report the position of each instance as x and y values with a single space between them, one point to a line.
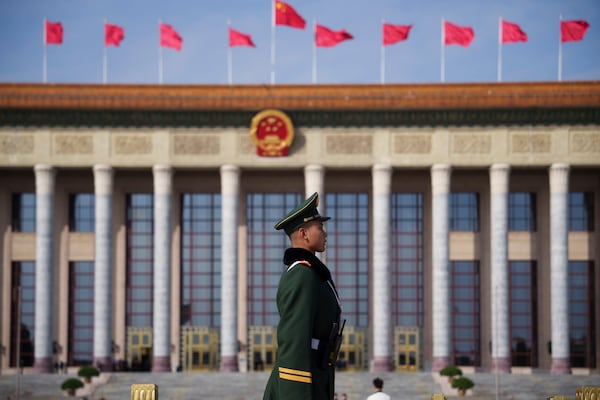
465 103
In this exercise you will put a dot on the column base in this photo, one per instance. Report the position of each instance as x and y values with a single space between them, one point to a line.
43 365
439 363
229 364
381 364
104 364
161 364
501 365
560 366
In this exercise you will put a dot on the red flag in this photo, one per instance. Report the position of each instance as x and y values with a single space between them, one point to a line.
395 33
325 37
287 15
237 38
54 32
113 34
573 31
169 37
461 35
512 33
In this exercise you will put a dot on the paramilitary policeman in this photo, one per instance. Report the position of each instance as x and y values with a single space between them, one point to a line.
309 331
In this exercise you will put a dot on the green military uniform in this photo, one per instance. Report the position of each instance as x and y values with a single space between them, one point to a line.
308 307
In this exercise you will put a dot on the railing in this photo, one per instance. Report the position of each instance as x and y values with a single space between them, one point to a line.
149 391
587 393
144 391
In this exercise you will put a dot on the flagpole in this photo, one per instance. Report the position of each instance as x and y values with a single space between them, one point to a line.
104 61
160 60
443 67
382 60
314 63
44 56
272 42
499 49
229 58
560 48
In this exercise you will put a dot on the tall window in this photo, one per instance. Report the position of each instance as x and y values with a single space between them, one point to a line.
523 316
582 314
521 212
81 212
407 259
23 212
348 252
140 219
265 252
464 212
81 313
23 278
464 304
201 259
581 211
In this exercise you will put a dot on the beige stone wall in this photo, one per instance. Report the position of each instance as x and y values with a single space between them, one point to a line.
212 147
347 155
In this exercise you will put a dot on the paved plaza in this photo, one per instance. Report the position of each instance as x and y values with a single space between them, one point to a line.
249 386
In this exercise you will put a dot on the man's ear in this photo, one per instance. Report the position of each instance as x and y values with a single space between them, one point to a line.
302 231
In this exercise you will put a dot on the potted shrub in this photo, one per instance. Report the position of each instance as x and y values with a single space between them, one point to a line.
462 384
71 385
87 372
451 371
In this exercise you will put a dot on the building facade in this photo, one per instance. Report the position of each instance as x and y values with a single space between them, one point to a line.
137 223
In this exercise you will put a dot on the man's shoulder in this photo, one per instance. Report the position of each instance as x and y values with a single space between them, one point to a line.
379 396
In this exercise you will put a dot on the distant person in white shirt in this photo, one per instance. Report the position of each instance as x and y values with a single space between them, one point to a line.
378 387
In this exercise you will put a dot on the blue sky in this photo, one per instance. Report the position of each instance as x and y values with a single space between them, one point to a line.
203 26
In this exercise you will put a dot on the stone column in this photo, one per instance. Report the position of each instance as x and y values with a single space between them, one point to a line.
314 177
230 186
162 269
314 181
103 190
44 260
501 357
440 189
382 329
559 276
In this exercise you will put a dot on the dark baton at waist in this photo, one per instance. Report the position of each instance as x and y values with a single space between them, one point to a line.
334 341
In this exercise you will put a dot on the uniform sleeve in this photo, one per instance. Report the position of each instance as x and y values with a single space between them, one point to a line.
297 308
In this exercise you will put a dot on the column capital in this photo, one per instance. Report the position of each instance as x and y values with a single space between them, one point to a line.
313 180
499 176
500 167
103 178
382 168
44 178
230 179
103 168
559 178
163 181
382 178
317 168
229 168
440 178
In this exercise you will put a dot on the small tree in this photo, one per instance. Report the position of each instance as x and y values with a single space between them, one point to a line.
71 385
462 384
87 372
451 371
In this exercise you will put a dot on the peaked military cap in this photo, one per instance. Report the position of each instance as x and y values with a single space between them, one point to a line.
305 212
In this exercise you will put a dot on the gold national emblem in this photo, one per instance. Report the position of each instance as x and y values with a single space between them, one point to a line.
272 132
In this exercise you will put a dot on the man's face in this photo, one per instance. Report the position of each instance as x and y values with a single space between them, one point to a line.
314 235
